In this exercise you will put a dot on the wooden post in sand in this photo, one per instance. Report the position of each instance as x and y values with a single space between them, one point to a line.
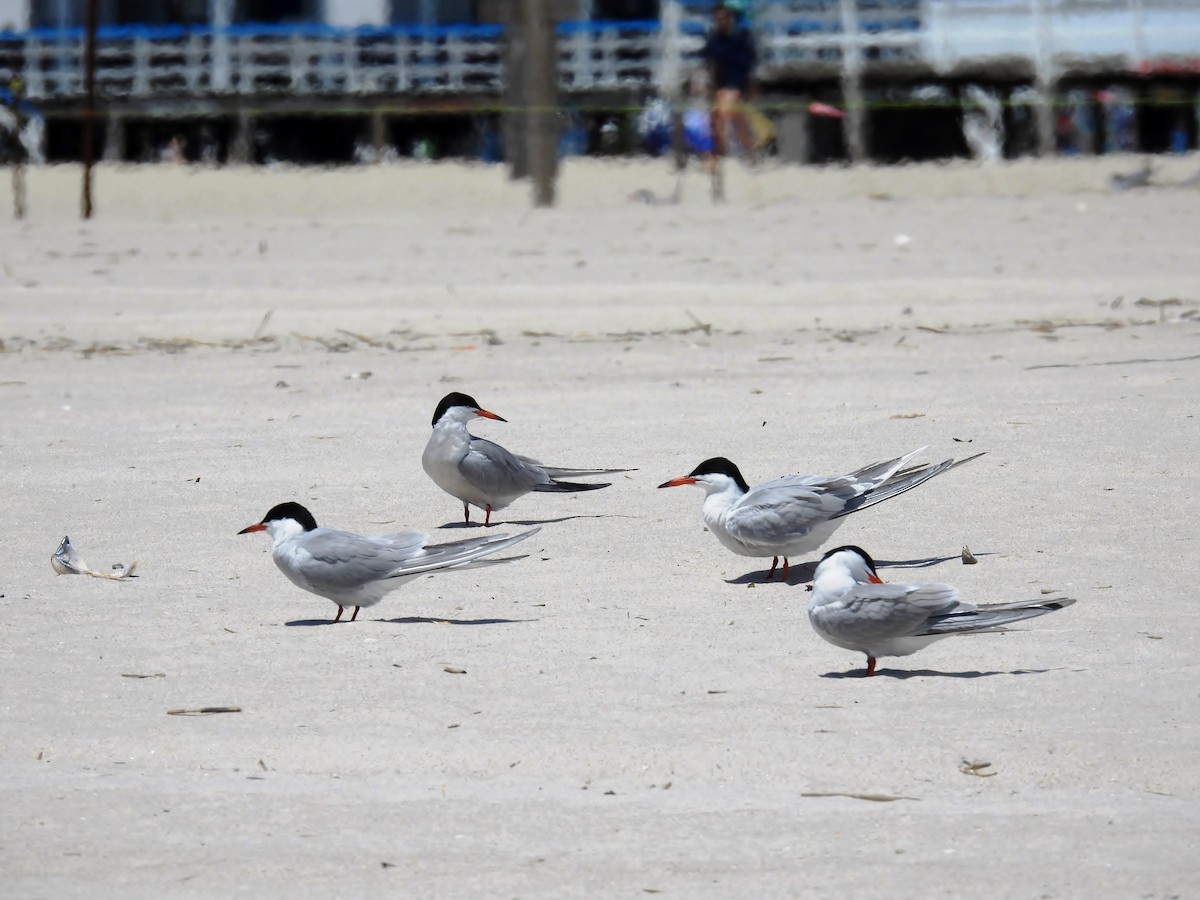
531 88
89 108
855 122
1044 79
541 88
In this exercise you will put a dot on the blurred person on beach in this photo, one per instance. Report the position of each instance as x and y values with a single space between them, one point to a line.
13 119
731 58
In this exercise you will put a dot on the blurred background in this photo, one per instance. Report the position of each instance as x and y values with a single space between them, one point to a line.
348 82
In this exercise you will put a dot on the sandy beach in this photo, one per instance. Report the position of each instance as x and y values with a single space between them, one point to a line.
636 714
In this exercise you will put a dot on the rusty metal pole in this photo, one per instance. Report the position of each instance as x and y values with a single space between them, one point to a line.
89 107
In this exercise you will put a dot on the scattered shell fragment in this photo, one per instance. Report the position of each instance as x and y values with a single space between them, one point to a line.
454 670
976 768
968 557
67 562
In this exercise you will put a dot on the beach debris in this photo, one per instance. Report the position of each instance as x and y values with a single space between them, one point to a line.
874 798
1160 304
968 557
911 415
369 341
454 670
697 324
204 711
67 562
976 768
138 675
1129 180
262 326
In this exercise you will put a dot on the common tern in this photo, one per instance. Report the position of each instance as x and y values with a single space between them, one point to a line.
852 608
482 473
356 570
797 513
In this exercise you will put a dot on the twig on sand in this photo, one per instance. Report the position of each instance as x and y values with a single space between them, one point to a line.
706 327
262 326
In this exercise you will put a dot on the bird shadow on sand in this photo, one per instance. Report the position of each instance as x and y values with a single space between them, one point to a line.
426 620
923 563
801 574
804 572
409 620
305 623
526 522
904 674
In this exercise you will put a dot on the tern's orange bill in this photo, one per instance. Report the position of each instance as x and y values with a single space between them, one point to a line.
249 528
874 579
490 415
676 482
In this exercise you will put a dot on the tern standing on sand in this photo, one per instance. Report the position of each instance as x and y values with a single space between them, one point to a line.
356 570
483 474
852 608
797 513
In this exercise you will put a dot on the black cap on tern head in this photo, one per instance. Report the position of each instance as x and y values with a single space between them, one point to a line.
291 510
454 398
853 549
719 465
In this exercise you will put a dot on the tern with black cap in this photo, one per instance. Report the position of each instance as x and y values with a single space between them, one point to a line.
357 570
797 513
483 474
852 608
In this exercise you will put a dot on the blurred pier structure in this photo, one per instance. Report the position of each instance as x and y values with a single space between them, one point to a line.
365 78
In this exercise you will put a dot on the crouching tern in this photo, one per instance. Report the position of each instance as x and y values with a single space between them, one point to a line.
356 570
797 513
483 474
852 608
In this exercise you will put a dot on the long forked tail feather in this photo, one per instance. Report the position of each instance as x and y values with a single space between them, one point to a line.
580 473
480 563
903 480
568 487
886 470
461 555
989 618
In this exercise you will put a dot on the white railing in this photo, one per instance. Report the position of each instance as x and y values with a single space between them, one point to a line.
793 36
149 63
1063 34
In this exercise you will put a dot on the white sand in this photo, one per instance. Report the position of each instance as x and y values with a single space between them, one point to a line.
637 714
